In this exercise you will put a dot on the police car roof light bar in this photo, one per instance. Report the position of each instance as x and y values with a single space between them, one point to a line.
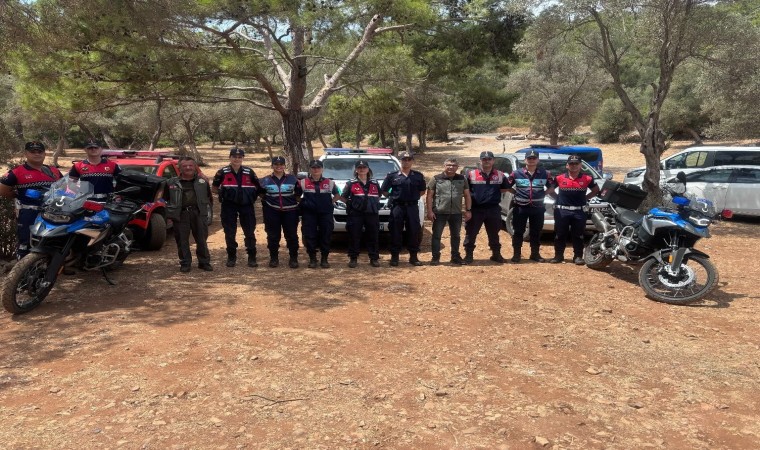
379 151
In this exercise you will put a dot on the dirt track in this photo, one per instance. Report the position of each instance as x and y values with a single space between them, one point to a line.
483 356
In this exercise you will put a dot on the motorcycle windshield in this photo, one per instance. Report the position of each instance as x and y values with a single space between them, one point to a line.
68 196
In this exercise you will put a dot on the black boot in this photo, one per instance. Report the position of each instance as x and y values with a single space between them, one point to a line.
536 256
517 256
231 258
436 260
496 257
313 261
274 259
394 259
293 263
413 260
352 262
468 257
323 262
252 260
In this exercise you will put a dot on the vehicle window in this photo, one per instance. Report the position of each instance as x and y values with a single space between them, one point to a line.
169 171
343 169
710 176
145 169
558 166
689 160
723 158
747 176
588 156
503 164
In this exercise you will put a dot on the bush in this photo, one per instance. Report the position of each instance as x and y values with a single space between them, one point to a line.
577 139
611 121
482 124
7 229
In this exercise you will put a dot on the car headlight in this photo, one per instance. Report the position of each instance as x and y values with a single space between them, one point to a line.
340 204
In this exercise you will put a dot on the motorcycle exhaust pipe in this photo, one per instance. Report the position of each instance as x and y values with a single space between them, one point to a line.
600 222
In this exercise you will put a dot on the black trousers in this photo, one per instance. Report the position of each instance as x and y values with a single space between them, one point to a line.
454 221
317 229
405 218
229 215
491 218
367 225
569 223
277 223
191 222
25 219
523 215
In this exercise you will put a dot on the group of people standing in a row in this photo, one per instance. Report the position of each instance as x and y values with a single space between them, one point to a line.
451 198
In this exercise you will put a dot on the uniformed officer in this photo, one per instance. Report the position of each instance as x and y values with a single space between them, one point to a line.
362 198
281 192
404 189
237 187
189 201
528 185
486 186
317 205
569 209
99 171
27 183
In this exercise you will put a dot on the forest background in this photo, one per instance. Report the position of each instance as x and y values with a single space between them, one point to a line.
274 76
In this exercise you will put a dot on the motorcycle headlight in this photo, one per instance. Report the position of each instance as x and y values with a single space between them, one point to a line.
698 220
56 217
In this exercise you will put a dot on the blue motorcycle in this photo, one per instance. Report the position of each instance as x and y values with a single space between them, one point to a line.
662 240
71 231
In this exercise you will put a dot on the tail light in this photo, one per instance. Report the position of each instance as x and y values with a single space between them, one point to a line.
89 205
727 214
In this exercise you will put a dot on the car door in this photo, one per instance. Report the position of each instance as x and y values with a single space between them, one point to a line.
743 196
710 184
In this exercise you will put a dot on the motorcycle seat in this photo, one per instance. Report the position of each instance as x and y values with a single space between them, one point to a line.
628 217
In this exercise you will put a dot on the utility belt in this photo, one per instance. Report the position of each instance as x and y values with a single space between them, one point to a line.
396 203
190 208
571 208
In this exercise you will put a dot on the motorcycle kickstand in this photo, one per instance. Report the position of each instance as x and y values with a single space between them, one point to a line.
105 275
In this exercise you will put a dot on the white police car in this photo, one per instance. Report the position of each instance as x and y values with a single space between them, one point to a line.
339 166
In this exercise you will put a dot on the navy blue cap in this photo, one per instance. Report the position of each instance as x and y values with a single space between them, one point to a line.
34 145
573 158
531 154
92 143
234 151
316 163
406 155
486 154
278 160
360 163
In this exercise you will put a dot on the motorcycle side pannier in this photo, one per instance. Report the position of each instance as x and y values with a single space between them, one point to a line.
624 195
151 186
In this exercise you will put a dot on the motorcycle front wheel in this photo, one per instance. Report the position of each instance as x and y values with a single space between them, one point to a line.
694 279
25 287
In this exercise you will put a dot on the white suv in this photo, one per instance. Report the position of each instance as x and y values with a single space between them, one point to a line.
339 166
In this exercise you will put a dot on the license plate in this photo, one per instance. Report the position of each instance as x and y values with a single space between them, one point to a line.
383 226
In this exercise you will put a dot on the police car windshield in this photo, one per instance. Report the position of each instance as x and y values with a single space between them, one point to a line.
343 168
556 167
144 169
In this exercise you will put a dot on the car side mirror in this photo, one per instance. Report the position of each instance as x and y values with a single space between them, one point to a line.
608 175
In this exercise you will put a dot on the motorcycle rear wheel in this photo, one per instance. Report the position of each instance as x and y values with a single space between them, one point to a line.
696 278
593 257
22 291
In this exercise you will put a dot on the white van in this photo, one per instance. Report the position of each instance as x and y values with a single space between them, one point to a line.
695 158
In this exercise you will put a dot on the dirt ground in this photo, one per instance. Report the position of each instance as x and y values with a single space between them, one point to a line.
482 356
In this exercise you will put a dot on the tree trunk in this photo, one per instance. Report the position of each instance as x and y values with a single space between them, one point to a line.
110 142
60 148
652 147
322 140
409 136
190 132
422 136
159 126
269 147
338 138
381 135
695 136
293 139
358 136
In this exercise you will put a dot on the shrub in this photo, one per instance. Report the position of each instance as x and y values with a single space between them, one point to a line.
482 124
611 121
577 139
